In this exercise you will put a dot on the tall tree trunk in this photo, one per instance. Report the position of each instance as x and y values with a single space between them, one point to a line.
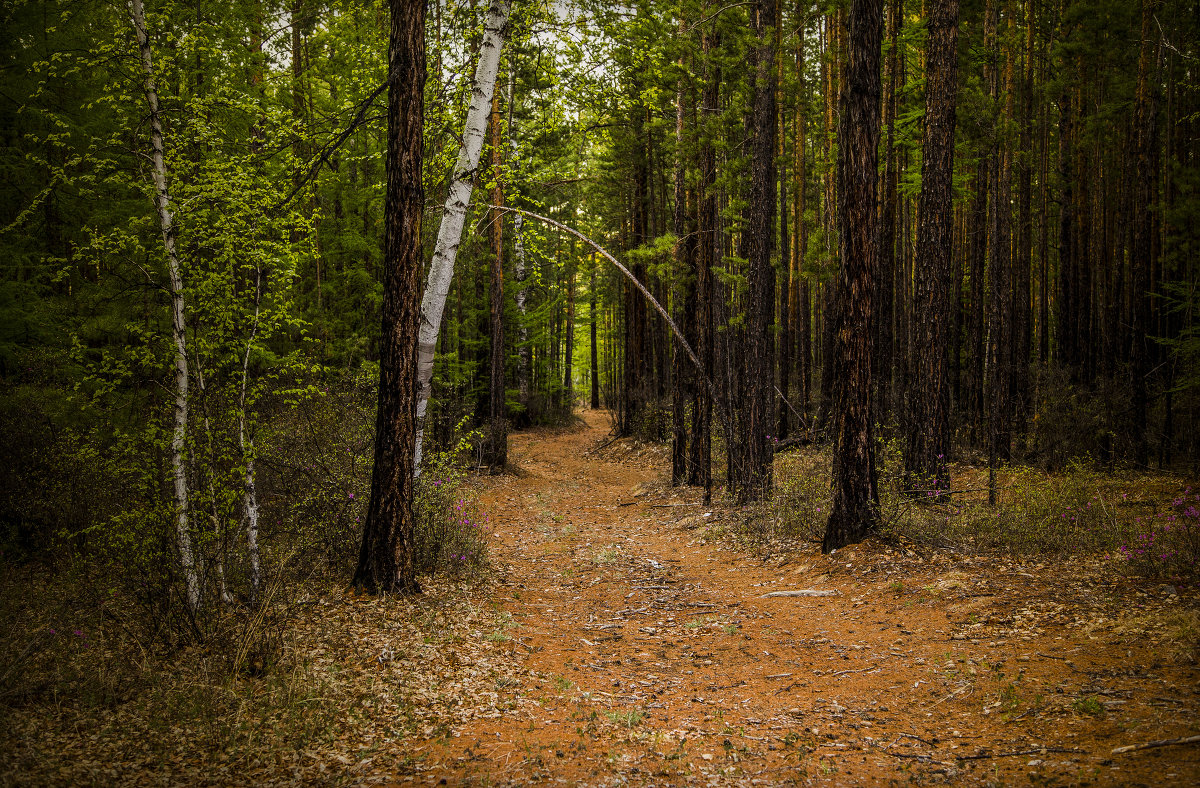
386 557
707 240
496 454
1065 349
246 446
855 510
166 221
786 346
441 270
568 381
754 477
976 326
1142 258
799 301
1023 265
927 459
595 366
829 307
999 257
683 295
886 290
786 349
519 264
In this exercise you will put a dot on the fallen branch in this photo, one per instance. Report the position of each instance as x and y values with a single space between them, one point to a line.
604 445
801 592
1149 745
1035 751
918 738
860 670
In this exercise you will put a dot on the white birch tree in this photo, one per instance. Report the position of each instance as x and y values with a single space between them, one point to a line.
458 200
166 219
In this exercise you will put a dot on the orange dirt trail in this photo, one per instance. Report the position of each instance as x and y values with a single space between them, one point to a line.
650 655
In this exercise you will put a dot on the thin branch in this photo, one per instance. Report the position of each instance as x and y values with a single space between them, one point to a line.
683 343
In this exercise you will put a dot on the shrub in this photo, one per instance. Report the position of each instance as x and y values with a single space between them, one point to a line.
1166 544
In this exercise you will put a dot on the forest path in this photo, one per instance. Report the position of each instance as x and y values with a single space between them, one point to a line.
650 656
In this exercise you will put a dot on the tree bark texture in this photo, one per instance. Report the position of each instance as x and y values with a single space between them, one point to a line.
683 295
496 450
1000 349
927 458
386 556
754 471
707 252
454 214
855 510
166 220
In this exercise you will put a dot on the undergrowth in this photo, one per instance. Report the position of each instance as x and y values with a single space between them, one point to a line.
95 628
1147 524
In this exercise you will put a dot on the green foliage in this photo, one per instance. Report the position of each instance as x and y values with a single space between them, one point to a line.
451 530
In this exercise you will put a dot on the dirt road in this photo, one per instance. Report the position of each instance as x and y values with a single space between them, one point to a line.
652 655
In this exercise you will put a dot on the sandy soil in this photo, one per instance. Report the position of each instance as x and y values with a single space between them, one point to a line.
651 654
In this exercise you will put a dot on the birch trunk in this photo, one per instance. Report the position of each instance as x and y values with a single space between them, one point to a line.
246 444
441 270
166 219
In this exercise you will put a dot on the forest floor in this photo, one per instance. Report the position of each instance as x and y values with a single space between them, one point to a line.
651 654
624 638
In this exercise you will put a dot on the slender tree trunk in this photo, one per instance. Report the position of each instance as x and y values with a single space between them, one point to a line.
707 240
683 287
166 220
496 455
1022 313
829 307
386 559
927 459
595 366
999 262
1066 234
976 327
855 510
568 382
246 445
786 347
754 479
1142 258
800 297
519 263
441 270
886 292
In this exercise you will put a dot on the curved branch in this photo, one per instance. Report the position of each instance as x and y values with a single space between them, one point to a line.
683 343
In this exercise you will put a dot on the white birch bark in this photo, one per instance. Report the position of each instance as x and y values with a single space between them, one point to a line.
162 204
441 270
246 444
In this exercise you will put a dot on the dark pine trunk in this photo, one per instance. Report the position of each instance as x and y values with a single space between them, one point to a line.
1000 349
700 473
855 511
888 295
754 472
1142 256
595 365
683 299
385 561
495 453
928 452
